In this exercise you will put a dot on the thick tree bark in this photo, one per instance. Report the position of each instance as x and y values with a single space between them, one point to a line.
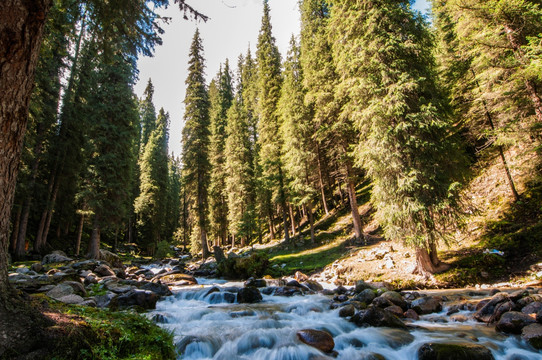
21 31
358 228
79 235
14 232
427 261
94 244
321 181
311 222
292 218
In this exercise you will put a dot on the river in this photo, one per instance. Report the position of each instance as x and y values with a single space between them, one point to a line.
208 324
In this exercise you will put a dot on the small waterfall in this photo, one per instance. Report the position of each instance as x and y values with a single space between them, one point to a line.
209 324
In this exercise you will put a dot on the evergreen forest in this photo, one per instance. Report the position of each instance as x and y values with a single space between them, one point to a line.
380 125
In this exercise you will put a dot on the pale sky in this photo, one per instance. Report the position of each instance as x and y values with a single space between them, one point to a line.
232 27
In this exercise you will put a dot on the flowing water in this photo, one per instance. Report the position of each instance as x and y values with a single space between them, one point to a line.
208 324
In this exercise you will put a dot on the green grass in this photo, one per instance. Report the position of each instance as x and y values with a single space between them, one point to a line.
103 334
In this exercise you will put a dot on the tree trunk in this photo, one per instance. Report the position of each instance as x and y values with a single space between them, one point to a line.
21 32
79 235
271 227
424 265
311 222
321 180
427 261
358 228
14 232
292 218
204 246
94 243
499 147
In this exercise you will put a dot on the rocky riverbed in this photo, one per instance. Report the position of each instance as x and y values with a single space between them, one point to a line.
298 317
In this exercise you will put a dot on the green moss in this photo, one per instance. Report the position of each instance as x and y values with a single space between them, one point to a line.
103 334
254 265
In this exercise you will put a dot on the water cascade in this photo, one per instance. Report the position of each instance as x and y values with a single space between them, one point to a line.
208 323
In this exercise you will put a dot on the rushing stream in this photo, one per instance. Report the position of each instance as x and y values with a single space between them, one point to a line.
208 324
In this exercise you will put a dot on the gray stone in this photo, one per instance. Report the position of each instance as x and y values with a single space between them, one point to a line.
396 299
366 296
464 351
532 308
55 258
374 316
362 285
157 288
347 311
22 270
141 298
318 339
71 299
113 259
533 335
426 305
513 322
249 295
104 270
60 290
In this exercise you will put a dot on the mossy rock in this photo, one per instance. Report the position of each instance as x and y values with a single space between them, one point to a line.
254 265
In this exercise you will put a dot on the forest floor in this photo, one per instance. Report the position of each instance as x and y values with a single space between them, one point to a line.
500 242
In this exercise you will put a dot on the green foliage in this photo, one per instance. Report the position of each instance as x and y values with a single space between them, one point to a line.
269 83
406 144
220 103
163 250
254 265
196 140
104 334
151 204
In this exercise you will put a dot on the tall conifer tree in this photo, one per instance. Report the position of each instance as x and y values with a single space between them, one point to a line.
114 115
387 74
297 130
151 204
334 134
196 139
269 84
148 114
220 103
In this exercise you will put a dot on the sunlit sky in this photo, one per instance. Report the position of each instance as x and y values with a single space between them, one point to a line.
233 27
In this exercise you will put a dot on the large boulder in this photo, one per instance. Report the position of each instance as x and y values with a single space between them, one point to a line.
464 351
65 289
72 299
532 308
249 295
374 316
321 340
111 258
533 335
513 322
178 279
54 258
396 299
365 296
104 270
312 285
259 283
426 305
140 298
362 285
487 312
157 288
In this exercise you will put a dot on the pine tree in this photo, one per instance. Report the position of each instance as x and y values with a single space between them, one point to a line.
151 204
220 103
406 145
148 114
269 84
296 130
196 139
334 135
114 117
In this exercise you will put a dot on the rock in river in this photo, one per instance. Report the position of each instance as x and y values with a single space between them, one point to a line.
249 295
513 322
466 351
374 316
321 340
